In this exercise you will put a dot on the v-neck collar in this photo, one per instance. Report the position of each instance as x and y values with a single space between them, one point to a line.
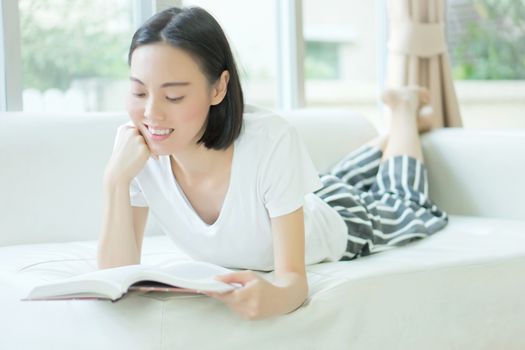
181 197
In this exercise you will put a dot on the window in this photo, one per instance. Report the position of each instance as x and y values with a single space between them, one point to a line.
74 54
251 29
342 54
487 45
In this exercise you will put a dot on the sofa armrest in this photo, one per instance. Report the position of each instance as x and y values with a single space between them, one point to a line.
477 172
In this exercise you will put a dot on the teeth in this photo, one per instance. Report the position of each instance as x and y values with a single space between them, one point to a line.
160 131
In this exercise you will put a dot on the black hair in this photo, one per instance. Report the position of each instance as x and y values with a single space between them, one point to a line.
195 31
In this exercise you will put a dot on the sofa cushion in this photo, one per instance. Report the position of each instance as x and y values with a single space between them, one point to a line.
465 281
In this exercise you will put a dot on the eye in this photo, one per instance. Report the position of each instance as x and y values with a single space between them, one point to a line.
139 94
174 99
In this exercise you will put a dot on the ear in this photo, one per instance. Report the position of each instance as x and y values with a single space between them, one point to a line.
220 88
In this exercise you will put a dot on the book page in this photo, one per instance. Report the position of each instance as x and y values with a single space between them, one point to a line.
194 270
190 274
114 282
111 283
151 286
119 276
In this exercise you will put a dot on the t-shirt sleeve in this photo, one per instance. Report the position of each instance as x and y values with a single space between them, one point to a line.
135 193
288 174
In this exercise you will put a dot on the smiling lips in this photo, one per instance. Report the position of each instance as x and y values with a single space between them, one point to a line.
159 134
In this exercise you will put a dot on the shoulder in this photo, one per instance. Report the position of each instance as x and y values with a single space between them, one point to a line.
264 134
264 123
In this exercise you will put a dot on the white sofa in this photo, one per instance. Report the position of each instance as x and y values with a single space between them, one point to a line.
462 288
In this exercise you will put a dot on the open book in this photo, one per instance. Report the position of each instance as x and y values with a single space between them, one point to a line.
114 283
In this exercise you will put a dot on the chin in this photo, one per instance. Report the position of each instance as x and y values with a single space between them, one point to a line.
161 151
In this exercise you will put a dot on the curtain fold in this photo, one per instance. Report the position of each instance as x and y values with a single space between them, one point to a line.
418 55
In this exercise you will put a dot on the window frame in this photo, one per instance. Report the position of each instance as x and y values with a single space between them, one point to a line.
10 57
290 55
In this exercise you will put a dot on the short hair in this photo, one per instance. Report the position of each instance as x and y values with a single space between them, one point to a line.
195 31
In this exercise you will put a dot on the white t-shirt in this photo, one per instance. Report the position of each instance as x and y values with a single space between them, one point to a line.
272 174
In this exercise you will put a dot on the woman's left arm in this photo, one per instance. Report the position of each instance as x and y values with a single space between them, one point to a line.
288 251
258 298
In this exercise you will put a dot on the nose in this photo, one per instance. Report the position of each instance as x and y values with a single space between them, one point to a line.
153 110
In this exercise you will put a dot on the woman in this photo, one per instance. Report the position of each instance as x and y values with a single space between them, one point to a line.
235 186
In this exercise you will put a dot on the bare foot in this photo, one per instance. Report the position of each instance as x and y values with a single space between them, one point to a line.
425 120
414 98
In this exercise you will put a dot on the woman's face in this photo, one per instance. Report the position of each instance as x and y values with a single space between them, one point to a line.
169 91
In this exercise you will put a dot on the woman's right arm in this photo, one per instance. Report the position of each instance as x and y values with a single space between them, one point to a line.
118 244
122 232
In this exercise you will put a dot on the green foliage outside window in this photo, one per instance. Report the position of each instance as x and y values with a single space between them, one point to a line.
321 60
67 40
494 47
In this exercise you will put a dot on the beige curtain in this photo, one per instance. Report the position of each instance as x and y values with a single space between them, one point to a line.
417 55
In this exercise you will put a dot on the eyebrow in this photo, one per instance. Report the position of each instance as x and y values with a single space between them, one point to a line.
171 83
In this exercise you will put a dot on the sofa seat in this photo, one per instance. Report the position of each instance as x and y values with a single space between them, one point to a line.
475 261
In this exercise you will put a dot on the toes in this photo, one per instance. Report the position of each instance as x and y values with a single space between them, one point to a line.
422 93
389 96
416 96
394 97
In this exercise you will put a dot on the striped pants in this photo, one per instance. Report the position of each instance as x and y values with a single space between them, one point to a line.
384 204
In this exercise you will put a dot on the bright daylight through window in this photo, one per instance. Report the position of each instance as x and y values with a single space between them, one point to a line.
73 54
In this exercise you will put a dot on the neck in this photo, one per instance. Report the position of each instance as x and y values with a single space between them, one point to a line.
199 162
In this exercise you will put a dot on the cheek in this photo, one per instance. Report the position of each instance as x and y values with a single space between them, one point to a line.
135 110
197 111
196 115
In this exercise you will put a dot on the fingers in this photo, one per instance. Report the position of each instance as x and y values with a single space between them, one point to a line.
241 277
134 128
138 132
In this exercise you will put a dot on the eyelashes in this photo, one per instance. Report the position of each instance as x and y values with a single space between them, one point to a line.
175 99
171 99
